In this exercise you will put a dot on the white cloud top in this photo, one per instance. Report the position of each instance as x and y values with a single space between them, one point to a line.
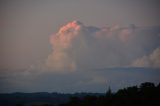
152 60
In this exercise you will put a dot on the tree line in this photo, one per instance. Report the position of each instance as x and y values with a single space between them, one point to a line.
147 94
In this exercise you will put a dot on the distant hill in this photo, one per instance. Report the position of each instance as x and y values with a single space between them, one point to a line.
147 94
39 98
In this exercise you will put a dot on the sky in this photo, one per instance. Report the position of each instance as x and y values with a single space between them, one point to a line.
78 45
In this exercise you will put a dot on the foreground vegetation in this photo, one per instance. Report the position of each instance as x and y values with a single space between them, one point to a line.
147 94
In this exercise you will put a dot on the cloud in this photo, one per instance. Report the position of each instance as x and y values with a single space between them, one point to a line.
85 58
151 60
77 47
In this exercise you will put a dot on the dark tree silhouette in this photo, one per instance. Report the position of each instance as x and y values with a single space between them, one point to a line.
146 95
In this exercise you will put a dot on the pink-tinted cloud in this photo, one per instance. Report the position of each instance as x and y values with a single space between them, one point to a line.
76 46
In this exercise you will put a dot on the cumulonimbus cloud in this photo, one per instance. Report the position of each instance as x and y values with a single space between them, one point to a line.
76 46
